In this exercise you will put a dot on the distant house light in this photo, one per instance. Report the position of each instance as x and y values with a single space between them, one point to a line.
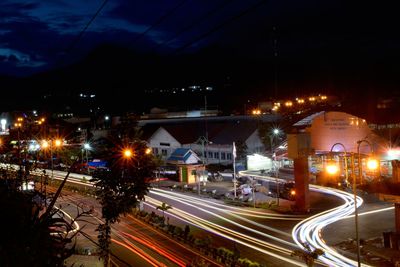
92 96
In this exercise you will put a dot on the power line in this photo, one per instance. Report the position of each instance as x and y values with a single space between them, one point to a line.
220 26
77 39
194 23
160 20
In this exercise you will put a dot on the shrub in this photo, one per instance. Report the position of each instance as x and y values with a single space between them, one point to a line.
178 231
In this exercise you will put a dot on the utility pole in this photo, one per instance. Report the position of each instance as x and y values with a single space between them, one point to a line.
275 54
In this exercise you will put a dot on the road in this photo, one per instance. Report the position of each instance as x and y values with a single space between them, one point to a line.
248 228
257 231
133 241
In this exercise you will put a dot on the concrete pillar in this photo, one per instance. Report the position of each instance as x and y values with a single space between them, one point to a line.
301 177
395 171
397 217
394 241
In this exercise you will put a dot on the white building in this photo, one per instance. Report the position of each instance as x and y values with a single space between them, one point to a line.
165 138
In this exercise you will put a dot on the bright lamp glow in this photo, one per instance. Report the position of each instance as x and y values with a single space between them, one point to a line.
332 168
372 164
86 146
45 144
148 151
276 131
128 153
57 142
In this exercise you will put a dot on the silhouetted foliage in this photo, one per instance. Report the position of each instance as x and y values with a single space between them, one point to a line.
123 185
26 239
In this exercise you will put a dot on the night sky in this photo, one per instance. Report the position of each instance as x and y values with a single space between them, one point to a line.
336 46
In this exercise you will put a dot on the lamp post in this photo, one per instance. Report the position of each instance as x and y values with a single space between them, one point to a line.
18 125
275 132
203 140
49 144
87 147
333 169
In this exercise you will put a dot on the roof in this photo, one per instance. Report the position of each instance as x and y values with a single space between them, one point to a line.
307 121
219 132
182 155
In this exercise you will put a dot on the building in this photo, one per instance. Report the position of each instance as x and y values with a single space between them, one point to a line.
212 140
325 134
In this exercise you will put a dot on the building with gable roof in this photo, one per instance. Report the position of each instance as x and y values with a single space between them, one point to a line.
165 136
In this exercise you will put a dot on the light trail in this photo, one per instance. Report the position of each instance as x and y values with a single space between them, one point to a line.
137 221
148 243
309 230
196 203
139 252
126 243
230 234
236 210
75 223
369 212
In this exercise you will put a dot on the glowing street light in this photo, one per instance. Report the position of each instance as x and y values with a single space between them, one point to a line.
86 146
147 151
288 103
127 153
45 144
372 164
332 168
57 142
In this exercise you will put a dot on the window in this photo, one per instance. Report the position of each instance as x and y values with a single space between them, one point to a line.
155 150
222 155
165 144
229 156
164 152
210 154
216 155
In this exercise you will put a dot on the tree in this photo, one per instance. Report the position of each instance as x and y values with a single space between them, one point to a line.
122 186
308 255
163 207
186 232
42 238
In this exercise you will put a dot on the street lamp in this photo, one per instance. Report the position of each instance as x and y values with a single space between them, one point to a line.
275 133
127 153
49 144
332 169
372 164
86 147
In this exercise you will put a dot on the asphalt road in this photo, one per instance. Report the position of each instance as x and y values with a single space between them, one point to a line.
134 242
